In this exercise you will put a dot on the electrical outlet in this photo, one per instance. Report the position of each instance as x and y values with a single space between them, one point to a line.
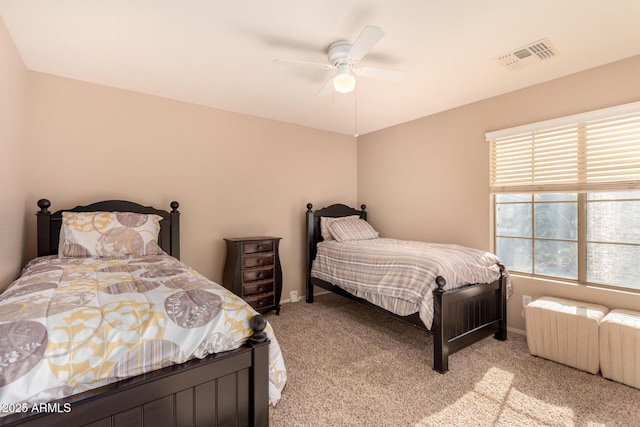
526 299
293 296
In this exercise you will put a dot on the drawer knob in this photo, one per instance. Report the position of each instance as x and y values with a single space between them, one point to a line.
259 275
259 288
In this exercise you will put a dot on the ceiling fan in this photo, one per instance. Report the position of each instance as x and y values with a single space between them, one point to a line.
344 56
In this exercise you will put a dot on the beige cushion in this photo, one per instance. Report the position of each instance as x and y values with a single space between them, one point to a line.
108 234
325 223
352 229
565 331
620 347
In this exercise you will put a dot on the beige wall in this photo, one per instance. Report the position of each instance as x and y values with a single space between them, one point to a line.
429 179
13 158
238 175
234 175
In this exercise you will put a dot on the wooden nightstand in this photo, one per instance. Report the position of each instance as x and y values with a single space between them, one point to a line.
252 271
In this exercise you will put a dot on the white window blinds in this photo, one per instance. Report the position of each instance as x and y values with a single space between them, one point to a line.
593 151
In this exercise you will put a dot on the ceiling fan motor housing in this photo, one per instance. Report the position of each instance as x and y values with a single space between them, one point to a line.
338 52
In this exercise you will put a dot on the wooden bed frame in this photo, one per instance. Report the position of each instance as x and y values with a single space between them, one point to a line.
230 388
461 316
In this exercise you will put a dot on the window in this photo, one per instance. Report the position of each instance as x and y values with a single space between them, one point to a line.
613 238
567 197
538 233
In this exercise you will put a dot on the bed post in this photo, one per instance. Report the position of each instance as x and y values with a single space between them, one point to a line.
501 333
363 211
44 227
175 230
259 411
440 338
310 249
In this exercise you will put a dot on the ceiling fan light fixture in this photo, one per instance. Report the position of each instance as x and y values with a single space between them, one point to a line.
344 82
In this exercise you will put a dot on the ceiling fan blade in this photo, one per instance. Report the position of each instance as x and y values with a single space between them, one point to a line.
381 73
365 41
327 88
308 63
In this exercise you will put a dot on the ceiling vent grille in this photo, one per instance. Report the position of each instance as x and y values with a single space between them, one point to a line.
525 55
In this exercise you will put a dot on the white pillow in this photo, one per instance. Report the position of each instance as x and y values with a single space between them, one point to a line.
108 234
352 229
325 224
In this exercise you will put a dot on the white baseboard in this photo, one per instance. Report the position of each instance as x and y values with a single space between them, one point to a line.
517 331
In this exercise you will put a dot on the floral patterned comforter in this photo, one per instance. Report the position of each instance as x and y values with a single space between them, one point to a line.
71 324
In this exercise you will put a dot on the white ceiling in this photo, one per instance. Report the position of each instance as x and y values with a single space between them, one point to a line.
220 53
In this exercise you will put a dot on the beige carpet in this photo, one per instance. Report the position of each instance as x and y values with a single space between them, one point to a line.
349 366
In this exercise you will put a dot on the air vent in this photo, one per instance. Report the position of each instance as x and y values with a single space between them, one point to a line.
525 55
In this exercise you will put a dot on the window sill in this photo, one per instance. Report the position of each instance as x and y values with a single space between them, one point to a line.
575 284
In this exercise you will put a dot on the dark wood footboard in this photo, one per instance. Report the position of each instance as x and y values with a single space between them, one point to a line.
465 315
229 388
462 316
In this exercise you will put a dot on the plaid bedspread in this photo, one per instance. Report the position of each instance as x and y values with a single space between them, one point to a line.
399 275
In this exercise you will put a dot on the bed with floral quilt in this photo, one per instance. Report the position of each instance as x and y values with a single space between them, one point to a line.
107 327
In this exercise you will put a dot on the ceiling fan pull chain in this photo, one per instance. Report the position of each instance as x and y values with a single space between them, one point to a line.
355 111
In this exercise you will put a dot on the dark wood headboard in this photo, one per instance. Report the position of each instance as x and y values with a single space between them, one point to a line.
49 224
313 224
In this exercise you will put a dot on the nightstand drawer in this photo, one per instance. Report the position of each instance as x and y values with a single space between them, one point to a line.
256 275
261 301
258 260
260 246
257 288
